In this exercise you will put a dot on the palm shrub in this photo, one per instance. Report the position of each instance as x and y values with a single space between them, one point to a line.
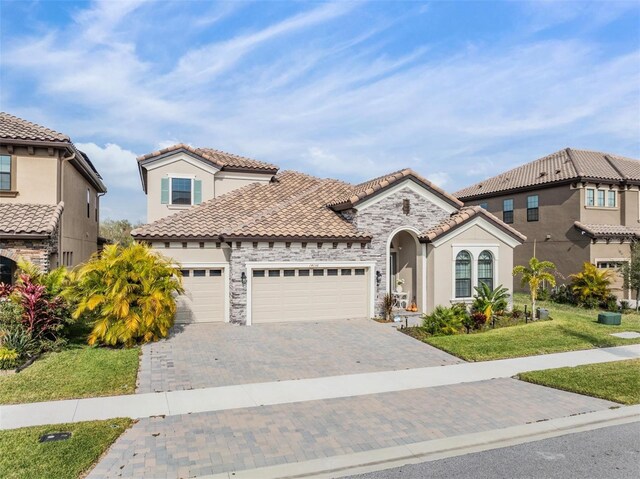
591 285
534 275
128 292
445 321
489 301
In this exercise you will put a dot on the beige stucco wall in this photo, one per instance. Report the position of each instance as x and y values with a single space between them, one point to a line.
441 264
214 183
193 253
613 252
600 215
36 176
79 233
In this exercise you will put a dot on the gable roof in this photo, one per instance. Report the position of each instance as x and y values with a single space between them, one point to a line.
608 231
221 159
462 217
562 166
14 128
370 188
29 219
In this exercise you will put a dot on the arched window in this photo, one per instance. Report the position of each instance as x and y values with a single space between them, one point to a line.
463 275
485 269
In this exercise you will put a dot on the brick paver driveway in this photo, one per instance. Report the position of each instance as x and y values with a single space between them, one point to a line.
206 443
215 354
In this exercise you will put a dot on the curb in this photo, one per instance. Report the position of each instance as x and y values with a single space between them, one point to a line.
380 459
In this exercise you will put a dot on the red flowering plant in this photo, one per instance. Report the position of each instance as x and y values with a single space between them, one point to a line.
43 316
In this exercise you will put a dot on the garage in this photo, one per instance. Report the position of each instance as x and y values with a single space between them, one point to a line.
309 294
204 298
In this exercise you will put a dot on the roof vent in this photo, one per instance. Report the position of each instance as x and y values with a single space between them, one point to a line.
543 173
558 171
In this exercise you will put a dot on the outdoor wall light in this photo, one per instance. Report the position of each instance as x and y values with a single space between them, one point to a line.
243 278
378 277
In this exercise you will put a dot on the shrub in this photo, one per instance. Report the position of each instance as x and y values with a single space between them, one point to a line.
18 340
591 285
543 293
489 300
42 317
474 321
8 358
128 291
516 313
387 306
562 295
444 321
611 304
625 306
10 313
5 290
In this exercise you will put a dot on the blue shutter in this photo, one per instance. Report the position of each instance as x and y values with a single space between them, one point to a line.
197 192
164 191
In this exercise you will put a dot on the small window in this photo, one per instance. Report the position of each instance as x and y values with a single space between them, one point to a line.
184 245
318 272
167 244
611 198
332 272
507 211
533 213
201 245
590 197
215 272
88 203
274 273
185 272
199 273
345 272
483 205
258 273
463 275
303 272
360 272
5 173
289 273
601 198
181 191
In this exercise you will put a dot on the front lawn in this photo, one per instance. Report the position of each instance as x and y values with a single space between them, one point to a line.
78 372
22 456
617 381
571 329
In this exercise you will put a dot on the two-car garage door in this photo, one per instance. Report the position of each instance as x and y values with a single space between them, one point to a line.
204 298
309 294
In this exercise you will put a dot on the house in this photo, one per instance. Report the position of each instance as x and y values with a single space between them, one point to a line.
49 198
292 247
575 206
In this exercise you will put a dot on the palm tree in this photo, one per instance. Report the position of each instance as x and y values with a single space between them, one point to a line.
534 275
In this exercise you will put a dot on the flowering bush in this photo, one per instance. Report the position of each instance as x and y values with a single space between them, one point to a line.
42 317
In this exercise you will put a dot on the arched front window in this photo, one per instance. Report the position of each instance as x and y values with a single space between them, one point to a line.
485 269
463 275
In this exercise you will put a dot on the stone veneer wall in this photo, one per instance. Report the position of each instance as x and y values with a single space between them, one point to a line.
37 251
379 220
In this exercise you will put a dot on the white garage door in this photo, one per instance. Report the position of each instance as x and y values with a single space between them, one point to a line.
309 294
203 298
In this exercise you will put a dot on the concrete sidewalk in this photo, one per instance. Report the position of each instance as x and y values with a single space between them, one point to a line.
284 392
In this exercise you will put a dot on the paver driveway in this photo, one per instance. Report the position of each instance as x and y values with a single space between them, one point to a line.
219 354
205 443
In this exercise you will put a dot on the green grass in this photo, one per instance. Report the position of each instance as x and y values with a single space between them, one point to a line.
616 381
23 457
571 329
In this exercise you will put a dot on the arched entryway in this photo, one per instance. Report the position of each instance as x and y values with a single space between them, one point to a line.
7 270
405 266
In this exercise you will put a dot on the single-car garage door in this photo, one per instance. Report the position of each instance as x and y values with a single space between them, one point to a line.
312 294
203 298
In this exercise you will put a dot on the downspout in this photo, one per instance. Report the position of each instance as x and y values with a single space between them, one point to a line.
64 160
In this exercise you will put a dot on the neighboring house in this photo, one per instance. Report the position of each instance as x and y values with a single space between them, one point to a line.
180 176
293 247
49 198
576 206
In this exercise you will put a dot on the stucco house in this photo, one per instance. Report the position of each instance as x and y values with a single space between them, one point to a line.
261 246
576 206
49 198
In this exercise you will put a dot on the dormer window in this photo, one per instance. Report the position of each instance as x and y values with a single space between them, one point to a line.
181 191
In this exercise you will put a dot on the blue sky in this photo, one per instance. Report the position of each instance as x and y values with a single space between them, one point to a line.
455 90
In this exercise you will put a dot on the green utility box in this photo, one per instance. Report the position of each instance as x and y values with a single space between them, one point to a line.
610 318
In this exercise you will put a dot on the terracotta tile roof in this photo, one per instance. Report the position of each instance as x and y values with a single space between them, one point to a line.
461 217
14 128
608 231
563 165
369 188
219 158
293 206
20 218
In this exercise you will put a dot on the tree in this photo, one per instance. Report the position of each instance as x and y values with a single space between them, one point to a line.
534 275
591 286
128 292
631 271
118 231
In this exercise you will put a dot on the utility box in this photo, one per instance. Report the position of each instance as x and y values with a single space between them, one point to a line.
542 313
610 318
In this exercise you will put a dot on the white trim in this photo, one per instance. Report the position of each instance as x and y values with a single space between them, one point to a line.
202 164
227 281
423 251
410 184
474 250
241 175
485 225
370 265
